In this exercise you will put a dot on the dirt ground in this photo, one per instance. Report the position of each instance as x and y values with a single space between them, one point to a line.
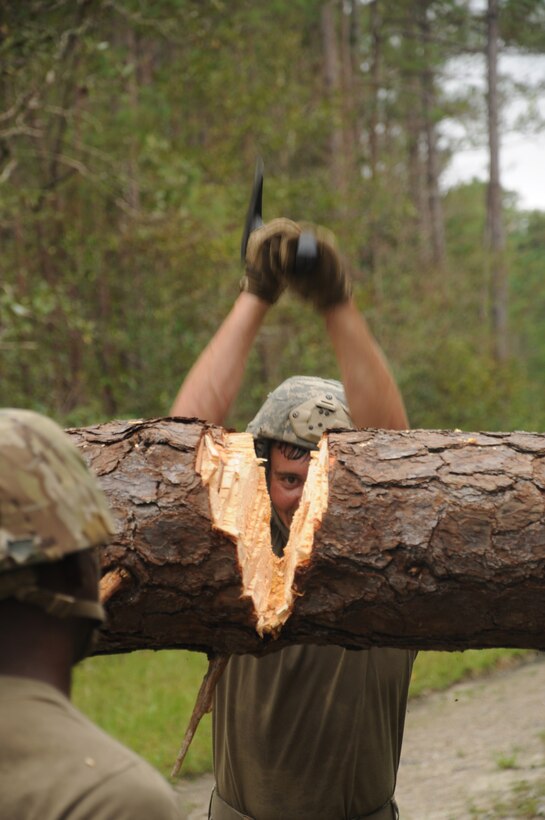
464 749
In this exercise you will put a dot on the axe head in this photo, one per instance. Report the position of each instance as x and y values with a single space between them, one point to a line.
255 209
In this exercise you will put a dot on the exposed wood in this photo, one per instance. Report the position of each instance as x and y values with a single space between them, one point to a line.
112 582
185 587
423 539
203 705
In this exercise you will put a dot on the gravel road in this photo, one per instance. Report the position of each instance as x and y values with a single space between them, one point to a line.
464 749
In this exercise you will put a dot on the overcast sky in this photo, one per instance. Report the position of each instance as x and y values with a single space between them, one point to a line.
522 157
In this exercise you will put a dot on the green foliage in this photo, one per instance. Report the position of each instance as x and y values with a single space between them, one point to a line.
127 142
523 24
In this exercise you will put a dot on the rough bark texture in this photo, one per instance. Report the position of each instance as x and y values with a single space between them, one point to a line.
184 587
430 540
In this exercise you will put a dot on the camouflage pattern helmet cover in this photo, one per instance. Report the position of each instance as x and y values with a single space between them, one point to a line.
50 503
300 410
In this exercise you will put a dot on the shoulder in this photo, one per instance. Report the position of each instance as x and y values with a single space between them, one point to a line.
136 793
120 780
123 786
88 774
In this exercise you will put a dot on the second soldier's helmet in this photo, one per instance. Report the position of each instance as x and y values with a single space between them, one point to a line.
300 410
50 505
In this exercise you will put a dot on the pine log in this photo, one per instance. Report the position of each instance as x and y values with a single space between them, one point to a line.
420 539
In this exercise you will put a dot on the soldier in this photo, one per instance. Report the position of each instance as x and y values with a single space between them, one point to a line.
54 763
306 733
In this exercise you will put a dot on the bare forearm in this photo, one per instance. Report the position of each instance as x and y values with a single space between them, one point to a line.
373 396
213 382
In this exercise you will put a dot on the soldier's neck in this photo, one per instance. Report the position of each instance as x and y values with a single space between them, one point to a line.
34 647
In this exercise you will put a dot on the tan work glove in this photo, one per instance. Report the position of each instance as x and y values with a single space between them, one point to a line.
325 283
270 253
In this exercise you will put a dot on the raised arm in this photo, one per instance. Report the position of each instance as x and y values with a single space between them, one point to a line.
212 384
373 397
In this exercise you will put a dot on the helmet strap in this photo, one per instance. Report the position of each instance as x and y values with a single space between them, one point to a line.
22 585
60 605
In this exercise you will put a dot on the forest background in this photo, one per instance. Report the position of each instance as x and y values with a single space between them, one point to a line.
128 136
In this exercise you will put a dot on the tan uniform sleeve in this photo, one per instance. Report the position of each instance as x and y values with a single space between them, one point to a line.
137 793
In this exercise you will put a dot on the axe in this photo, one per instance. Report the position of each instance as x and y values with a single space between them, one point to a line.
307 248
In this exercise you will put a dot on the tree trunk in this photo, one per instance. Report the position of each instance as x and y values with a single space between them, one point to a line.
495 239
375 23
429 104
334 96
417 166
349 72
421 539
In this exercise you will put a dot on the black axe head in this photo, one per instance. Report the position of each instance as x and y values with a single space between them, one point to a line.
254 217
307 248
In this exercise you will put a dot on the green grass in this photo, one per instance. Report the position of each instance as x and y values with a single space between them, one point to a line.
527 800
435 671
507 761
145 698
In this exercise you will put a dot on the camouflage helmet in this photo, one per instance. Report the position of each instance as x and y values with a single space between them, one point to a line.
50 503
300 410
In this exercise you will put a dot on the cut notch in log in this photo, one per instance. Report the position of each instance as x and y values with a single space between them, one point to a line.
430 540
240 508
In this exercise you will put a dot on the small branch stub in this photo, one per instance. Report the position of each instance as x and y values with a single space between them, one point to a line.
203 705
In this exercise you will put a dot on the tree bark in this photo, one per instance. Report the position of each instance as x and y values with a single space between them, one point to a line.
420 539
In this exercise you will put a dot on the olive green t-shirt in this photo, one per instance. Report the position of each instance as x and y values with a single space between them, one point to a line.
310 731
54 763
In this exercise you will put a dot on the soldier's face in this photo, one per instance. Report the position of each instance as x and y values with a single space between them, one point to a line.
286 482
